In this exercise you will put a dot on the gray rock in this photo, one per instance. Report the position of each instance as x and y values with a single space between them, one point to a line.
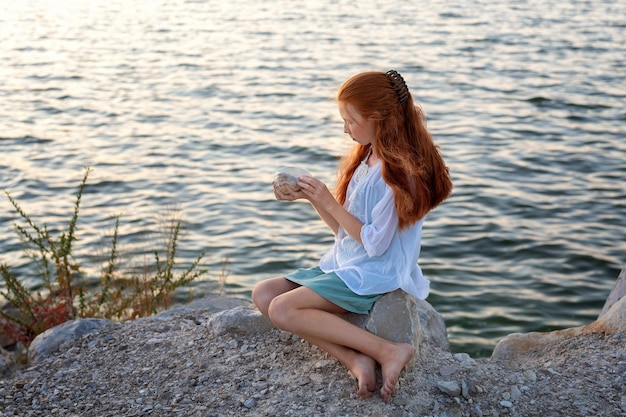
450 388
468 388
211 304
613 320
249 403
54 338
393 318
400 317
618 292
239 320
465 359
447 370
516 394
530 375
434 331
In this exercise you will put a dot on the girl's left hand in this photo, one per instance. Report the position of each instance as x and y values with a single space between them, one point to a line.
316 191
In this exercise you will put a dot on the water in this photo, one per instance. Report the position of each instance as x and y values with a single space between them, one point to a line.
192 105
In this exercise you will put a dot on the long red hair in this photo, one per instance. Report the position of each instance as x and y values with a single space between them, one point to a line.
411 162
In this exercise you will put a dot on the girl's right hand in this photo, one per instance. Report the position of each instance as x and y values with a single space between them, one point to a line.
316 192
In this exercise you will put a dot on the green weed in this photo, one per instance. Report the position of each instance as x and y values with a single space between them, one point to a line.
63 292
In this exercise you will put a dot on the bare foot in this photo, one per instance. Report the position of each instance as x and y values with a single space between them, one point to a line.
364 370
393 363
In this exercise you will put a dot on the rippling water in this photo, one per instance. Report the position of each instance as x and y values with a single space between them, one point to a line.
192 105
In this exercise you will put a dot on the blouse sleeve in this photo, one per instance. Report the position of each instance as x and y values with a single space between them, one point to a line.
376 236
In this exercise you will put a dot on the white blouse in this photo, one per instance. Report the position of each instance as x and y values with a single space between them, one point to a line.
387 260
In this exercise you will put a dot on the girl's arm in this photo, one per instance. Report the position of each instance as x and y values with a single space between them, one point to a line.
329 209
375 237
327 217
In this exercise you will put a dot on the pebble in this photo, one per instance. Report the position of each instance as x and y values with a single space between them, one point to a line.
259 386
450 388
324 363
465 359
515 393
530 375
468 388
447 370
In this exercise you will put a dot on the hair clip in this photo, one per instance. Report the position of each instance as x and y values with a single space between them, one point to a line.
400 86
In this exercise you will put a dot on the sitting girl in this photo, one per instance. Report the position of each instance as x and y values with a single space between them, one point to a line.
393 176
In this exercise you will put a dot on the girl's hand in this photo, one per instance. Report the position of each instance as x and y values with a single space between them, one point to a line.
316 192
286 194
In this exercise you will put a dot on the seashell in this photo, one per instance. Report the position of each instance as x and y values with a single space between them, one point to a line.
286 179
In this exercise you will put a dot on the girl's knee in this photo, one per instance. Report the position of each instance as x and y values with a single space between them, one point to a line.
278 312
261 297
265 292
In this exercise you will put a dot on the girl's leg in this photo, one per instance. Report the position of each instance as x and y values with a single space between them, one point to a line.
265 291
312 317
361 366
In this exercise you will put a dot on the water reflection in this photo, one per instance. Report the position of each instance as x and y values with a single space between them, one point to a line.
195 104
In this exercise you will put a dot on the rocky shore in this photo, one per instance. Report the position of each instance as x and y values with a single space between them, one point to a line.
222 358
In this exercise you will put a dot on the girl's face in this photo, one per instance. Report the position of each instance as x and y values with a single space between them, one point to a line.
361 130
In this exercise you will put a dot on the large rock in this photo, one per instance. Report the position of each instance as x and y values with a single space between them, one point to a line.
612 319
400 317
240 320
55 338
210 304
434 331
618 293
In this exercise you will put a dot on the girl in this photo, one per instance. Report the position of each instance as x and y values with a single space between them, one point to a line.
391 179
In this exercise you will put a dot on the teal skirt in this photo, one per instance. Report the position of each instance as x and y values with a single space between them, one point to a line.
332 288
